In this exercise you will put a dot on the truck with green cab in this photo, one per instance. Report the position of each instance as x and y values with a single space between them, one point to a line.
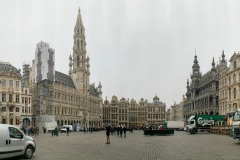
198 123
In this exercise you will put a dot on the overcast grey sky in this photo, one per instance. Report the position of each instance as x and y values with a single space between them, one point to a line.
137 48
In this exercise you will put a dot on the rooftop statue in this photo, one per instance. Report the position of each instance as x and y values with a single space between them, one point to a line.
6 68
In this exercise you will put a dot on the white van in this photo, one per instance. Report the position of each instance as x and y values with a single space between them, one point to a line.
64 128
13 142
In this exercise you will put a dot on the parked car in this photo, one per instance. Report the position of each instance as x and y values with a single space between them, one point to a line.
64 128
13 142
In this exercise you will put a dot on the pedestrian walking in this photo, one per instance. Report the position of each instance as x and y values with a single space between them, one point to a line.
25 130
34 131
118 129
56 131
124 131
112 130
44 130
67 131
130 130
121 131
37 129
108 129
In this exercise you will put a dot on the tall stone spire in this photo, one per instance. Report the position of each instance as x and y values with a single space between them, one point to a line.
195 68
213 65
99 90
80 72
223 57
79 23
195 65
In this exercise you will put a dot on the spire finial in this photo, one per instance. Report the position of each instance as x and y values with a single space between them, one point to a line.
195 51
213 62
79 19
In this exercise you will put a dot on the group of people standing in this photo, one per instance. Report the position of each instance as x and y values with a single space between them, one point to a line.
30 130
120 131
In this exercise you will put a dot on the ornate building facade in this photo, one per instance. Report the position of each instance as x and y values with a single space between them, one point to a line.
132 114
11 105
176 111
28 112
141 113
229 84
156 112
202 91
65 99
110 112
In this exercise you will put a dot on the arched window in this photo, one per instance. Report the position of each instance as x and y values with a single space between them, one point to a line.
234 93
234 106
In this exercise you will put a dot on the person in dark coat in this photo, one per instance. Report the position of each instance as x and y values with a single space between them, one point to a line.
118 129
44 130
67 131
108 129
121 131
124 131
56 131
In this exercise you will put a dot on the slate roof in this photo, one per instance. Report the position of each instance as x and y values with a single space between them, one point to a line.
93 91
64 79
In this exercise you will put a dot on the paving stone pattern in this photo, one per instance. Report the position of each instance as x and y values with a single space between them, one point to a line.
180 146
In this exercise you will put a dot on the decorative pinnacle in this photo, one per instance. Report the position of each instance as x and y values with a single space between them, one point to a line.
213 62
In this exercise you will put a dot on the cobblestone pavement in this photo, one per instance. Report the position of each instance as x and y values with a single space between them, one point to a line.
180 146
